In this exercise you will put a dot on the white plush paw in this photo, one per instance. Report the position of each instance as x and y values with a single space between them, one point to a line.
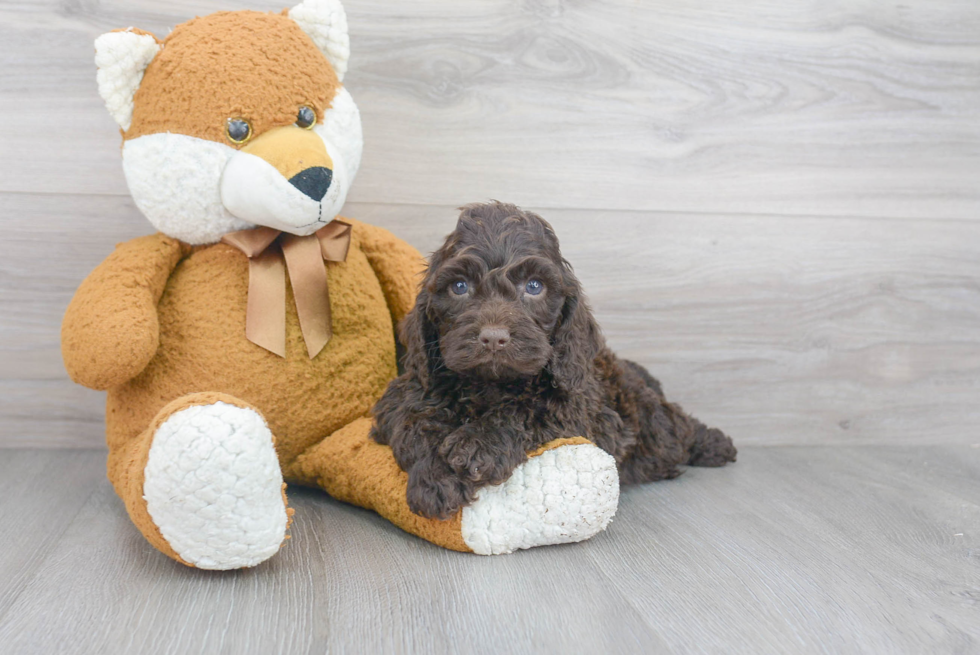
566 494
214 488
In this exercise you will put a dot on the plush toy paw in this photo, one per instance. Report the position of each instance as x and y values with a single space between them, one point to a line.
565 494
214 488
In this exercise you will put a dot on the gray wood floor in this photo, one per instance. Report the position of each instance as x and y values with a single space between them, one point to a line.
774 206
868 549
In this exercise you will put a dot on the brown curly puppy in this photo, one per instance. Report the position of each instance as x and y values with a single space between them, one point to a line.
503 355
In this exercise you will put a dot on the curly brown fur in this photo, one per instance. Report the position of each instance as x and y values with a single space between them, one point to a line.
503 355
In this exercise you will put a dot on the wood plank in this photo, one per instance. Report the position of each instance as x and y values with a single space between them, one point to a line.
50 414
832 108
779 329
41 493
807 550
792 549
347 580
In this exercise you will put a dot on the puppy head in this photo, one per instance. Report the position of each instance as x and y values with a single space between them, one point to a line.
500 303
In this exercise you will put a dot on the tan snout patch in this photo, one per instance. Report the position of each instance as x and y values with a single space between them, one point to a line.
290 150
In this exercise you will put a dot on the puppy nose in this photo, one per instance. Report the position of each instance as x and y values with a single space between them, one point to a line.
313 181
494 338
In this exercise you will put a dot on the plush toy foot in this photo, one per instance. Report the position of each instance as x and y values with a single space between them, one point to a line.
567 491
213 487
203 483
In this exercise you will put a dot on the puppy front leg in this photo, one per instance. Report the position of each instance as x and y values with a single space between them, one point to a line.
414 431
435 490
413 428
485 451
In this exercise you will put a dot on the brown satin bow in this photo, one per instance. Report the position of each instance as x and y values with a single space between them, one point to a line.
265 318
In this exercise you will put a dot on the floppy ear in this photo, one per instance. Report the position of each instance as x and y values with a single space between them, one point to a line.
325 22
575 342
421 340
122 57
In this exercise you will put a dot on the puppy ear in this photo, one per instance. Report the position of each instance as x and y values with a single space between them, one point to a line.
575 343
421 340
418 332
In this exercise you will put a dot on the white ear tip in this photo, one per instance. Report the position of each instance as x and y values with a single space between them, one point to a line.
121 58
326 23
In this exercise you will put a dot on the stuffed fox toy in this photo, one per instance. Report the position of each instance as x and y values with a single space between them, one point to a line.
244 344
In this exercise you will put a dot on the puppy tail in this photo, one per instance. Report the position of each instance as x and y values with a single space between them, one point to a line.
711 447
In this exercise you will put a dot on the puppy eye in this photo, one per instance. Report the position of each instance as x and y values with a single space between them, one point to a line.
238 130
459 287
305 117
534 287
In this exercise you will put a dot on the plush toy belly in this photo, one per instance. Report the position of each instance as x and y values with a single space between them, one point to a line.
203 349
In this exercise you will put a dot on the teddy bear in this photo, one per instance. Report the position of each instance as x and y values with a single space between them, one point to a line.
244 344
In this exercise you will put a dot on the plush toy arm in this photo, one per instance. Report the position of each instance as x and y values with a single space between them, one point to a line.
110 330
399 266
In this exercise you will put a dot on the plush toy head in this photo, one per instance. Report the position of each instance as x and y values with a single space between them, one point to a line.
235 120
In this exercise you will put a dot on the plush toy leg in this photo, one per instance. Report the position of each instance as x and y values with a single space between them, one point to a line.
567 491
203 484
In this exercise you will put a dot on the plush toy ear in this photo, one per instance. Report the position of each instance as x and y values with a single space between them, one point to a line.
326 23
121 57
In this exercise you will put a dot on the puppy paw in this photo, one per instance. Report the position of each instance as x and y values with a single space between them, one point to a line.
436 491
471 455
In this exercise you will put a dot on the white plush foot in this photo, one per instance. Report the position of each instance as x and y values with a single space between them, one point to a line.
566 494
214 488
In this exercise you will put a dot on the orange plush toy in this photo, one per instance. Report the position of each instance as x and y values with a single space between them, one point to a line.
245 343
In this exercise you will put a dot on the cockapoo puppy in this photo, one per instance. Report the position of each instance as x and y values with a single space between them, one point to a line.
504 355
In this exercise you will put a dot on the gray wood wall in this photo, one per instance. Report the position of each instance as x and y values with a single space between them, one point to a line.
774 206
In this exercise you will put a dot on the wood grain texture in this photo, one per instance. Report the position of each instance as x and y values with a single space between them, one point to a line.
836 107
778 329
771 205
792 549
41 494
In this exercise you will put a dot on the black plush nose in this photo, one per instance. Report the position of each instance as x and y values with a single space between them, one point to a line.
494 338
314 181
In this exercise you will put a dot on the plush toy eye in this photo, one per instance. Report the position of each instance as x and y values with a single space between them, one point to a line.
534 287
305 117
239 131
459 287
